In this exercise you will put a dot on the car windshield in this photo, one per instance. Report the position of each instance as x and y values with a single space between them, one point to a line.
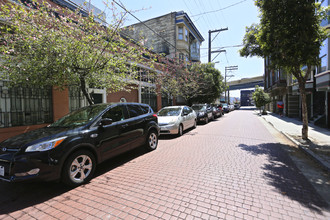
169 112
224 105
79 117
198 107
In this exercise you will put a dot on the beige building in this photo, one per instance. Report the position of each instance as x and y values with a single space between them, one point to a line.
173 35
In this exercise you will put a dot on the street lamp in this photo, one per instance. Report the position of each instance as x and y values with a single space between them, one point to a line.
228 68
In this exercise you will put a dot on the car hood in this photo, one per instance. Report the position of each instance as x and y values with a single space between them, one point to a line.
167 119
36 136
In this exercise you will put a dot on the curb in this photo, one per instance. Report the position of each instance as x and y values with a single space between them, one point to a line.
308 152
325 166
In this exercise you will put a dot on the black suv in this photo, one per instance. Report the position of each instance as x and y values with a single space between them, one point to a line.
204 112
70 148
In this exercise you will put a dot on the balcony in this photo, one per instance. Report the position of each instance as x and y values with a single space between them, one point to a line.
323 81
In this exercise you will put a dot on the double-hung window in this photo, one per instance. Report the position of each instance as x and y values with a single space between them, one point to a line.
180 33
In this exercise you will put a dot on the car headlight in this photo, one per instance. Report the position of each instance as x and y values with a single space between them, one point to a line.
44 146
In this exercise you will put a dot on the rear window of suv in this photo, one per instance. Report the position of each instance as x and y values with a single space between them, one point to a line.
145 109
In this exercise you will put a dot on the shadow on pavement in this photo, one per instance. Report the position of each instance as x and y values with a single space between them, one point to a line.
18 196
282 173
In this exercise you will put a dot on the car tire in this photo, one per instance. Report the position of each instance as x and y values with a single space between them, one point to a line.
180 130
152 141
78 168
206 120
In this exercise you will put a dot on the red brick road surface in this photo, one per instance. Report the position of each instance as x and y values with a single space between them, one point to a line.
231 168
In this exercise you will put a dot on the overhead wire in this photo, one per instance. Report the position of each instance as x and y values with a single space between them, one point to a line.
218 9
124 8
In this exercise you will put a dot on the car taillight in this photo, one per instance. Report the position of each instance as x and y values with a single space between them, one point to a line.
155 115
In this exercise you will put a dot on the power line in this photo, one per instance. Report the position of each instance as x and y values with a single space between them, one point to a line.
123 7
222 47
218 9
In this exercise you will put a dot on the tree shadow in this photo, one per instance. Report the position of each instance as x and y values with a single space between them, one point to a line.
18 196
283 174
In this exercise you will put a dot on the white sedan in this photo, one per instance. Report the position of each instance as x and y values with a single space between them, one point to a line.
176 119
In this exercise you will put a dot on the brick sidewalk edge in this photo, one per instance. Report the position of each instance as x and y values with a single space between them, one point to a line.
325 165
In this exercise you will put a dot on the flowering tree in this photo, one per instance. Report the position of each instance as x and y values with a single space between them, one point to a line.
54 46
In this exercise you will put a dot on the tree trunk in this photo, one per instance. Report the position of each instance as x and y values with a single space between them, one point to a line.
84 91
304 110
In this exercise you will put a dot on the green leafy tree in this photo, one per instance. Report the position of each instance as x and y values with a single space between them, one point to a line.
210 83
290 34
261 98
194 82
53 46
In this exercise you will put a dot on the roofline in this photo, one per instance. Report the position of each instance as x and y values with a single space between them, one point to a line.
191 23
149 19
176 14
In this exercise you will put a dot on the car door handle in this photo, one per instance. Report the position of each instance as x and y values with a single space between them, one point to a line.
94 135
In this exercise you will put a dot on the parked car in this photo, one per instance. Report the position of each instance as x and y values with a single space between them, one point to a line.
70 148
231 108
203 111
176 119
221 109
216 111
237 106
225 107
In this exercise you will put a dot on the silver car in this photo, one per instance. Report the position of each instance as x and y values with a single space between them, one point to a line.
176 119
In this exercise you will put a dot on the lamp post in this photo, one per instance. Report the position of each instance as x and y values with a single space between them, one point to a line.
228 68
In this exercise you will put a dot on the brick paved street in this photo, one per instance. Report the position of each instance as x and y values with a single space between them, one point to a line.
231 168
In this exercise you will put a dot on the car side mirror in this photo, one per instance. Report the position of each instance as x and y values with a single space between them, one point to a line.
105 121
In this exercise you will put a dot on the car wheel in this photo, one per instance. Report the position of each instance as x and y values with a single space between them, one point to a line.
206 120
180 130
152 141
78 168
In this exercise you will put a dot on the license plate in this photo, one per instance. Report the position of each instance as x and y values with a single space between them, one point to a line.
2 171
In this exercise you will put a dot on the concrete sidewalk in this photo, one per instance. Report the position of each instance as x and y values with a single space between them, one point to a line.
319 145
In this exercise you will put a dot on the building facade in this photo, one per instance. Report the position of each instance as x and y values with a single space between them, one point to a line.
283 87
173 35
25 109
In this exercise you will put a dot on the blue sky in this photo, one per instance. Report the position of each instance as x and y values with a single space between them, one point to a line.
208 15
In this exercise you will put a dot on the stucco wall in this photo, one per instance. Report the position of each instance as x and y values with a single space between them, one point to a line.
163 25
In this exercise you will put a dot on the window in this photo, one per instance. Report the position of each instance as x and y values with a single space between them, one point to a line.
186 110
186 35
145 109
115 113
180 33
76 98
134 110
24 106
181 56
148 96
324 56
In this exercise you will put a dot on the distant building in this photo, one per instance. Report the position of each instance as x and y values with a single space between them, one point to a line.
246 97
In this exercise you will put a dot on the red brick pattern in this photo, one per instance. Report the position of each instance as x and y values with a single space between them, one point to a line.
232 168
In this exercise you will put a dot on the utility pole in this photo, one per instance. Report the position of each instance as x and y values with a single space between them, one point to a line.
228 68
218 51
